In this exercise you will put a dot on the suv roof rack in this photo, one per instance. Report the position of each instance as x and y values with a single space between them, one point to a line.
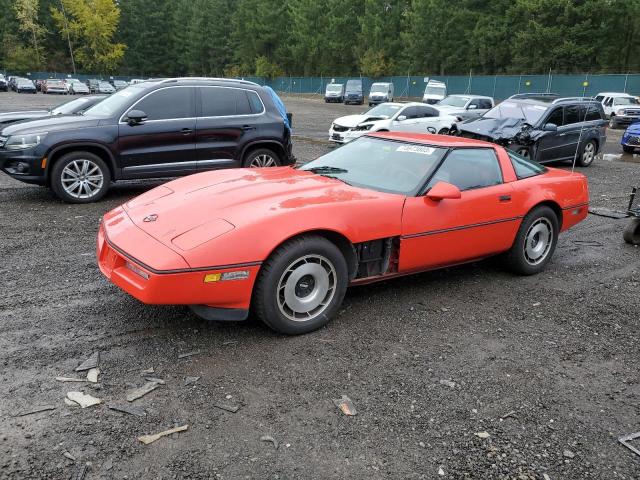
574 99
525 95
217 79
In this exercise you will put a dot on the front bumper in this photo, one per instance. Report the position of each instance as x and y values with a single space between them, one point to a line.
345 136
631 140
24 165
377 100
625 119
182 286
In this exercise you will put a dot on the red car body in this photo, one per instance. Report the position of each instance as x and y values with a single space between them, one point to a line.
161 246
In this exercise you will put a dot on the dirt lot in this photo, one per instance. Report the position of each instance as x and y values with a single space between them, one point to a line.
548 365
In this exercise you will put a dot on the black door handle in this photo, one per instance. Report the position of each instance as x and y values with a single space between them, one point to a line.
504 198
248 127
186 131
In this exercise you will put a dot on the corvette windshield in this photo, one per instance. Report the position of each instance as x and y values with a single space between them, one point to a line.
378 164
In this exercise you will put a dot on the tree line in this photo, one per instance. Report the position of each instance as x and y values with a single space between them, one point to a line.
320 37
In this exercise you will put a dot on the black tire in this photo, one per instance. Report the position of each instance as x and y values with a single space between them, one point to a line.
443 131
612 121
586 159
631 234
269 302
628 149
60 177
260 158
518 259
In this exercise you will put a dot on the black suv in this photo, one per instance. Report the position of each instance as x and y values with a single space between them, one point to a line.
543 128
154 129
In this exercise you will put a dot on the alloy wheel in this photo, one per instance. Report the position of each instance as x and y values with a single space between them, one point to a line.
263 160
82 179
306 288
588 154
538 241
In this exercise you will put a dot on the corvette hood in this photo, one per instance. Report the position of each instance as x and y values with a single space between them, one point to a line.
189 212
51 124
355 120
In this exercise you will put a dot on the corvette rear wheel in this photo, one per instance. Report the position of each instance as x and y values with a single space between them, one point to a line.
80 177
301 285
535 242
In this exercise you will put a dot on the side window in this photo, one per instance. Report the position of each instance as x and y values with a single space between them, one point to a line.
469 168
485 104
409 112
608 101
475 102
220 102
571 114
167 103
594 113
599 98
555 117
426 112
524 168
255 102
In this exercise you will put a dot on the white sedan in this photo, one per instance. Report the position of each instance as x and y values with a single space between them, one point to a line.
394 117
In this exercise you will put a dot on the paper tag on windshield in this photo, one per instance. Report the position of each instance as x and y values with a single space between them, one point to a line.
415 149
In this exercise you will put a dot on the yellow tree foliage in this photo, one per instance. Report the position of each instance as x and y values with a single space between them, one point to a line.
27 16
91 24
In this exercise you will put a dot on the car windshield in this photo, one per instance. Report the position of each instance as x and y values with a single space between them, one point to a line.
70 107
105 85
384 110
380 164
626 101
334 88
527 112
54 83
114 103
435 91
354 86
379 87
25 82
454 101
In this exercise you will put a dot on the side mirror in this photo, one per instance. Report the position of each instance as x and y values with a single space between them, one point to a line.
136 117
472 107
442 191
550 127
401 118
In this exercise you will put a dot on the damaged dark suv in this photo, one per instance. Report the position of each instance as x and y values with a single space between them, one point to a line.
544 129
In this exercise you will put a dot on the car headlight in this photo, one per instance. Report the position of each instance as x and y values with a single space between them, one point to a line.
21 142
620 112
363 127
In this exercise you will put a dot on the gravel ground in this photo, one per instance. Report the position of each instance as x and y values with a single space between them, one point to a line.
547 366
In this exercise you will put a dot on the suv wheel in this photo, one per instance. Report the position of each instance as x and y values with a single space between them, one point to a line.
588 154
260 158
612 121
80 177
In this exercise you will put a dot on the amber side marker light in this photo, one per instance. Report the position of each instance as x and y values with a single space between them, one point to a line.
43 164
222 277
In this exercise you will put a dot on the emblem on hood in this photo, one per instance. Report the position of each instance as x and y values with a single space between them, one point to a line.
150 218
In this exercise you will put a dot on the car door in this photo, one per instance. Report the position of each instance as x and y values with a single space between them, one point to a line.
228 119
484 221
405 120
572 129
550 144
429 117
164 143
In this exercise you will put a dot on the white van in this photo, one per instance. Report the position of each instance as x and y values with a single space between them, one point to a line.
434 91
334 93
620 108
380 92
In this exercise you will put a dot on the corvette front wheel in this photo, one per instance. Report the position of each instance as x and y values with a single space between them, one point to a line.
535 242
301 285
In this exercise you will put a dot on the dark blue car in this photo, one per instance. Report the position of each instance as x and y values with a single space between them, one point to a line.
631 138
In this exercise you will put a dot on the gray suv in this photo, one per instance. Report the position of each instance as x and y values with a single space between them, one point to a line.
544 129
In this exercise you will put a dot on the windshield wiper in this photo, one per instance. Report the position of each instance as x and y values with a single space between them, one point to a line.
326 169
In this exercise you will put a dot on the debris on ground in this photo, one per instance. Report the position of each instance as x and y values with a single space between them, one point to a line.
71 379
345 404
190 354
229 342
147 439
147 371
441 472
69 456
70 403
512 413
625 439
83 399
483 435
269 438
568 454
142 391
191 380
92 375
89 363
546 477
108 464
43 408
81 472
227 407
159 381
448 383
130 409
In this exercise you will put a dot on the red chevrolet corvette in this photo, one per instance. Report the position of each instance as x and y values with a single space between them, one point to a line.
286 242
